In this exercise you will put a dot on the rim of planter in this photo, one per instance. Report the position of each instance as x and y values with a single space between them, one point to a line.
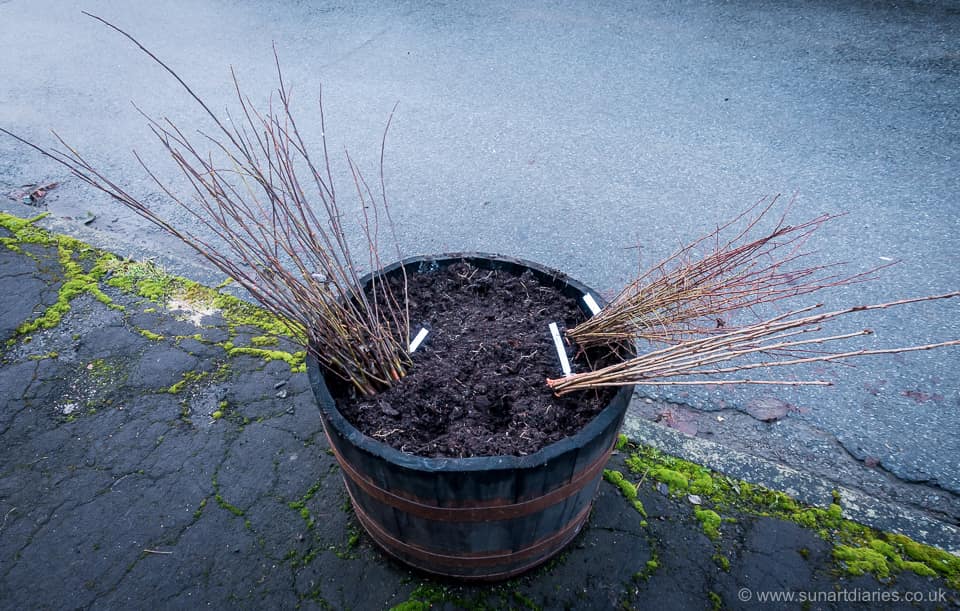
590 431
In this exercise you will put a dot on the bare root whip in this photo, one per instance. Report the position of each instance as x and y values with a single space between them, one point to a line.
276 227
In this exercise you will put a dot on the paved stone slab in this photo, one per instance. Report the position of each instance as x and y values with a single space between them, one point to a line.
33 293
143 467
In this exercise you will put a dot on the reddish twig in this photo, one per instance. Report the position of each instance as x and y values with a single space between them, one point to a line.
255 197
685 296
771 338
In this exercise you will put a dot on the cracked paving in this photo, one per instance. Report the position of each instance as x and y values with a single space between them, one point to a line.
796 442
144 462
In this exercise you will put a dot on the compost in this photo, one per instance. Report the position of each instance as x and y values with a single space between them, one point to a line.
477 386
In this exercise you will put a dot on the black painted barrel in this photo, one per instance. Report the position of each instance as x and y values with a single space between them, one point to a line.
482 518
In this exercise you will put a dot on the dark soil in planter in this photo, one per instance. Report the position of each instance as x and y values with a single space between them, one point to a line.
477 387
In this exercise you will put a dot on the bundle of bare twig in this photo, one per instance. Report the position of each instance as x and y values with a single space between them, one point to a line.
680 301
781 341
686 296
257 199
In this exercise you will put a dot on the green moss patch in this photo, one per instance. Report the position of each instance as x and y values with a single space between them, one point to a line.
649 568
151 335
709 520
427 596
622 442
296 360
703 484
86 270
860 560
190 377
24 231
674 479
628 489
222 503
143 278
83 267
858 549
238 312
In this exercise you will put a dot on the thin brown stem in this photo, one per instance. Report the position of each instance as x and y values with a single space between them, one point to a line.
772 338
263 230
686 296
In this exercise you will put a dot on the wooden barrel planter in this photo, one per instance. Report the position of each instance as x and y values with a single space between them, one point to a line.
483 518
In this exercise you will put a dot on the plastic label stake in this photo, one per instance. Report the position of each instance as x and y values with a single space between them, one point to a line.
561 352
591 303
417 340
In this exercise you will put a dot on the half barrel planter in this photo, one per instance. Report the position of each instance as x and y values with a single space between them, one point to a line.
482 518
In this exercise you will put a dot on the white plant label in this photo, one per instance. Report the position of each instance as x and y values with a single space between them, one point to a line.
417 340
561 351
591 303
